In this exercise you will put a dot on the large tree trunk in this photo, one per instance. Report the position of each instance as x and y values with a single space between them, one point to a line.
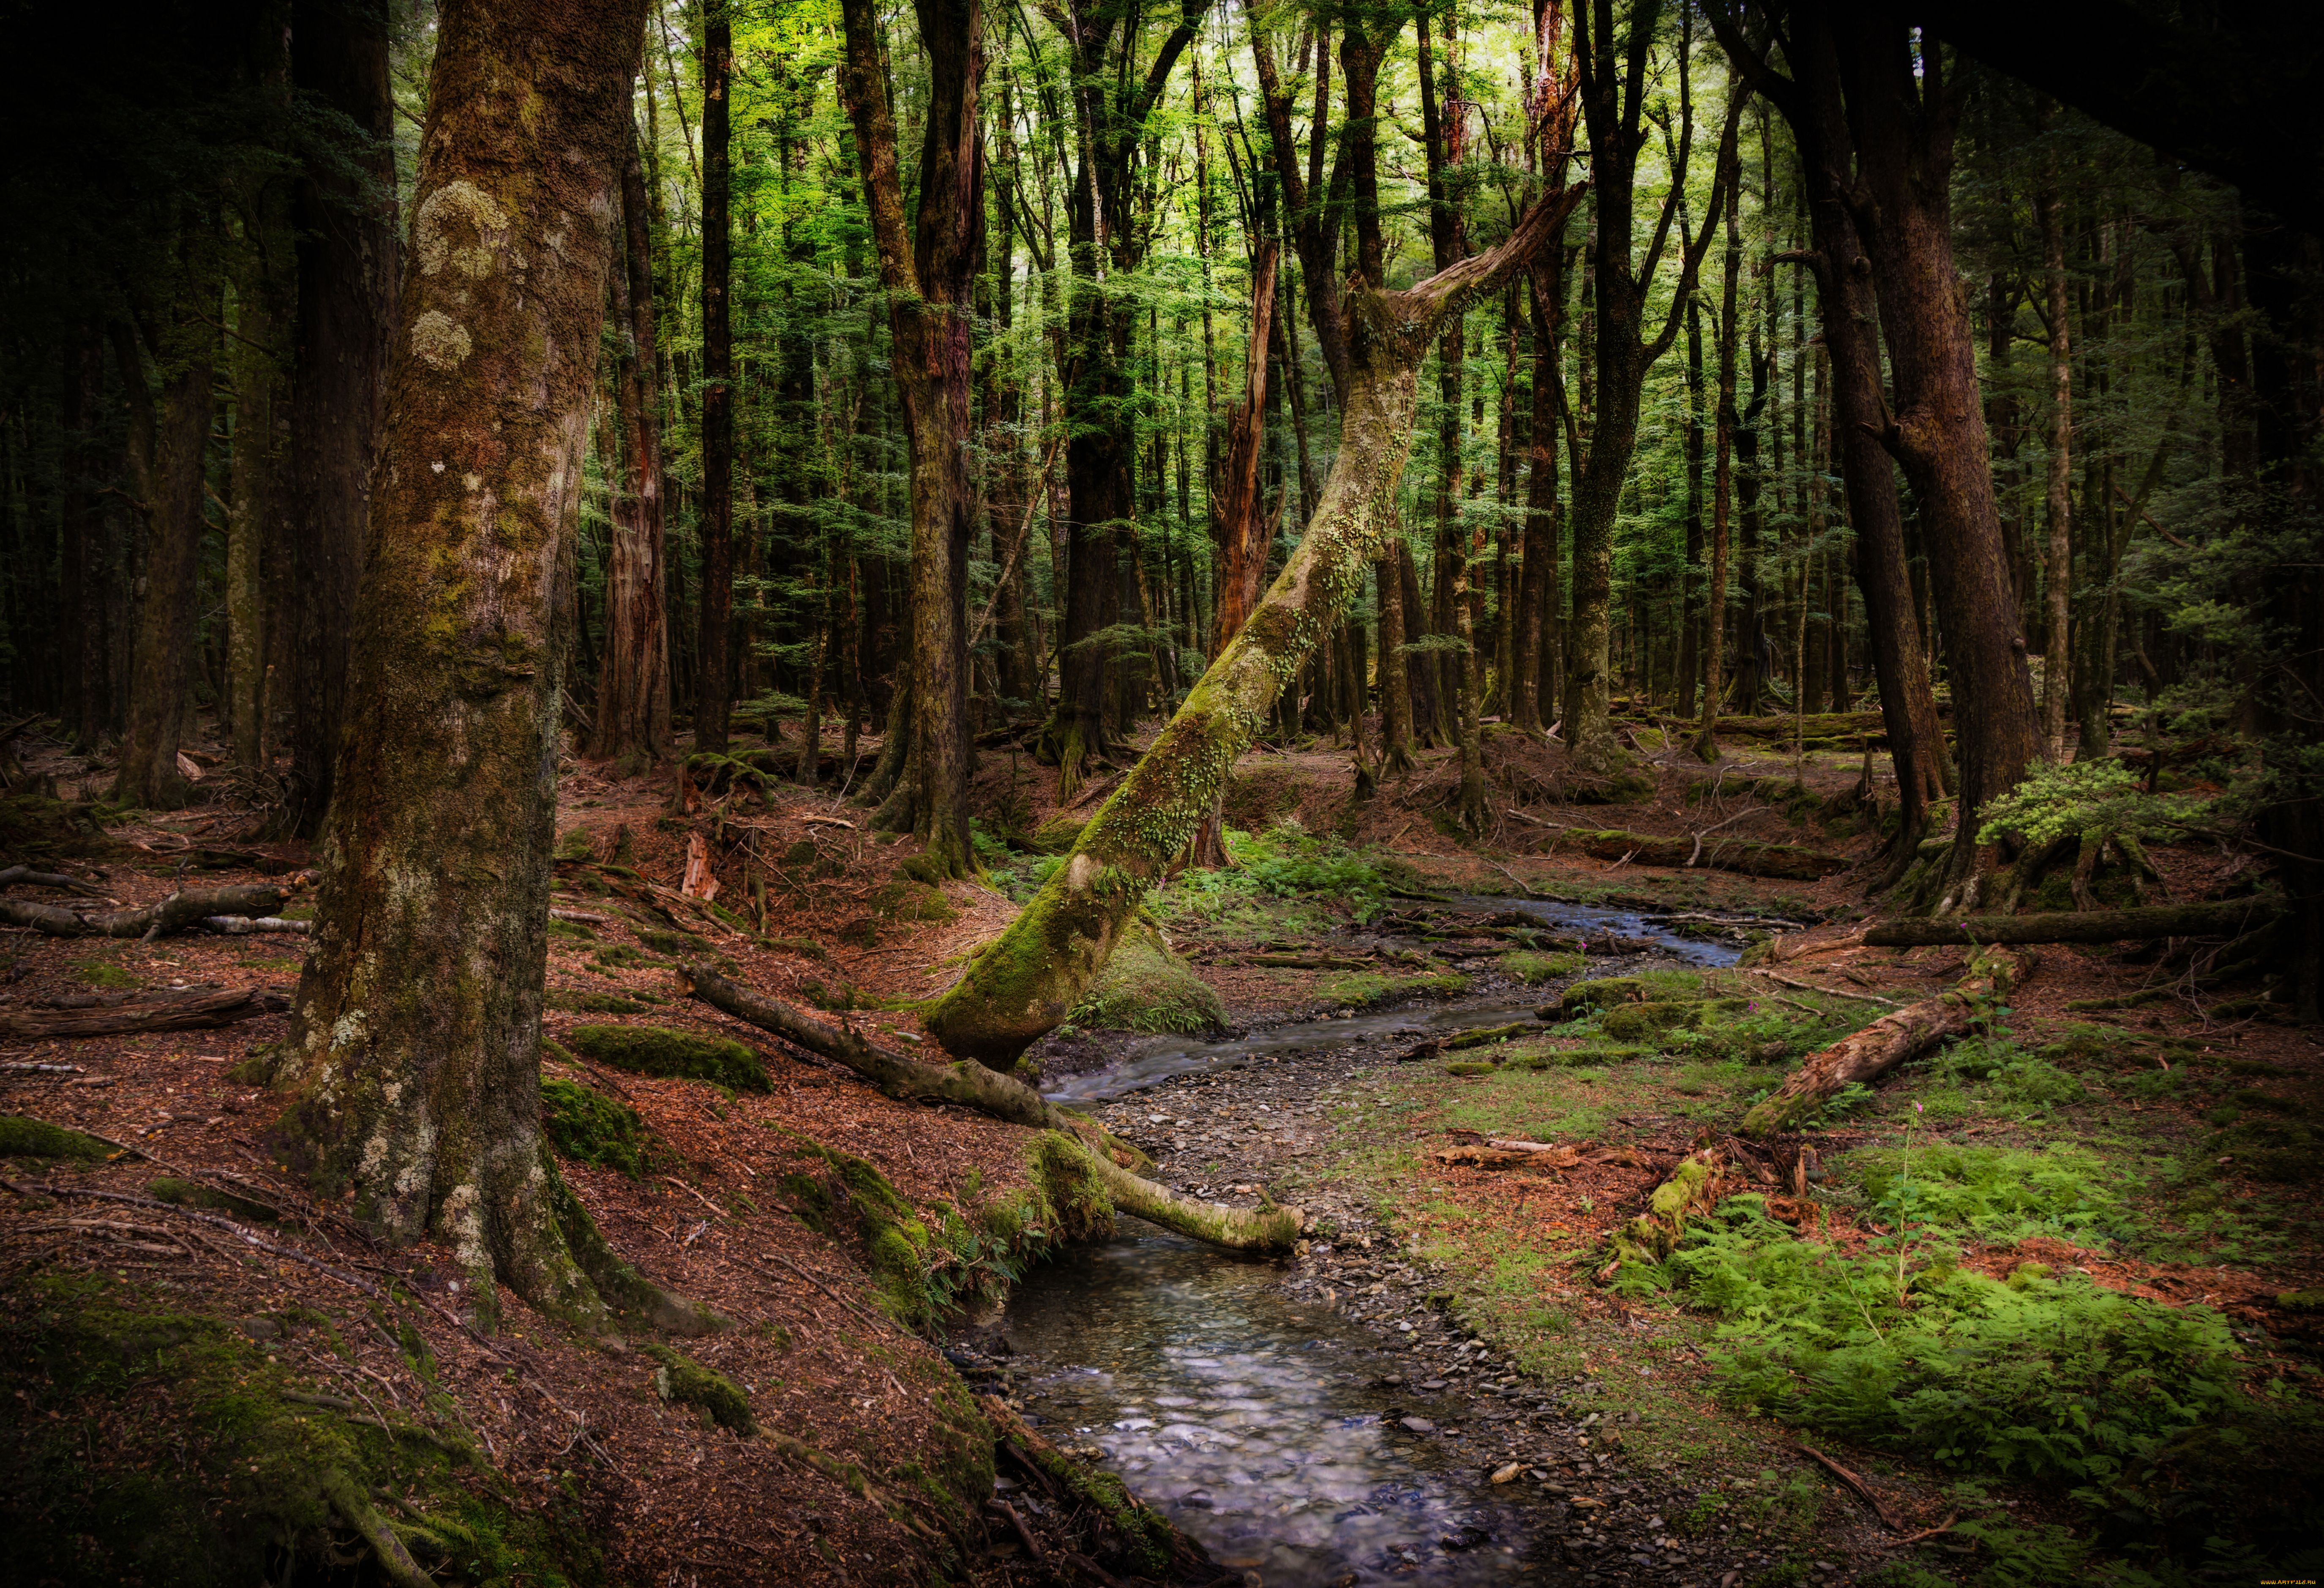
1537 580
161 668
928 275
1906 108
632 718
1021 985
714 690
415 1054
347 270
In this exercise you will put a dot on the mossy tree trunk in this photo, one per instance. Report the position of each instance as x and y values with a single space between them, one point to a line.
415 1066
1022 986
1722 496
927 267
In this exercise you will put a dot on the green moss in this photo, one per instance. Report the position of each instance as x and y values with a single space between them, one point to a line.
103 973
1470 1066
1606 992
155 1445
1489 1034
907 900
1367 987
805 946
25 1138
193 1194
1530 968
1576 1058
1639 1022
658 1050
1145 987
680 943
624 956
557 928
592 1129
1058 835
683 1381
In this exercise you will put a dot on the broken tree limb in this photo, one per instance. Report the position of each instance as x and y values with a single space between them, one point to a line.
1799 945
971 1084
176 913
32 879
1741 855
1864 1057
239 926
1026 981
2224 918
195 1011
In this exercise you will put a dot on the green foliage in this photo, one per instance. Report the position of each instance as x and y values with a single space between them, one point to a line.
584 1125
2100 797
104 973
1998 1194
195 1193
658 1050
2040 1378
1288 862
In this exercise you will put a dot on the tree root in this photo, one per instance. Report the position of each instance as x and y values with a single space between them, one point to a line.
971 1084
395 1562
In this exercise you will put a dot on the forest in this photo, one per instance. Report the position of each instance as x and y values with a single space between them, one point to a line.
932 546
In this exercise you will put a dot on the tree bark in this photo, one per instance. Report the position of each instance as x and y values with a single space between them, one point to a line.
1906 108
195 1011
347 270
632 711
1722 497
1024 984
1864 1057
2056 673
414 1064
1537 581
928 273
714 689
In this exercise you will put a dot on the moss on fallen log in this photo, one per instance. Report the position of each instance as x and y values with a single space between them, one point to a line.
2226 918
1714 851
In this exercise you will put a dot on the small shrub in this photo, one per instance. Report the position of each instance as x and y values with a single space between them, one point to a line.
658 1050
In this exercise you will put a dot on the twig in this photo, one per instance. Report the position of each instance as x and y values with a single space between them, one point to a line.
1531 892
1863 1490
247 1236
697 1195
1827 991
1944 1527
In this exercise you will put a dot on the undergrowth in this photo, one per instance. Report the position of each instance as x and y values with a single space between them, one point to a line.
1286 862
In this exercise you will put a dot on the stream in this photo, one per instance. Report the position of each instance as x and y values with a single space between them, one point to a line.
1309 1444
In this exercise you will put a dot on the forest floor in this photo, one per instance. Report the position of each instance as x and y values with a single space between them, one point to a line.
184 1391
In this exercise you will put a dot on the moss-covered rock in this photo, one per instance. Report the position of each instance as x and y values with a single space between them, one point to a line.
683 1381
27 1137
597 1003
658 1050
180 1193
590 1128
1146 987
1607 992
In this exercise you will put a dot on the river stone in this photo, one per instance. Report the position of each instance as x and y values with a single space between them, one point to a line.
1418 1424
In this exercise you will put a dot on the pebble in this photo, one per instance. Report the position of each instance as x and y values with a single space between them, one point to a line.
1418 1424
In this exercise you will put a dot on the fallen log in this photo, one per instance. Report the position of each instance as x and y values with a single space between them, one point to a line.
1799 945
187 908
2227 917
197 1012
1735 854
1861 1057
1865 1056
988 1091
31 878
239 926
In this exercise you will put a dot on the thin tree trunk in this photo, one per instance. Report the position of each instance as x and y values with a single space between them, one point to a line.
414 1059
1722 492
713 667
928 276
348 272
2057 675
162 666
632 719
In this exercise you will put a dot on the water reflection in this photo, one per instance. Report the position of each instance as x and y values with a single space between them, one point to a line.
1258 1423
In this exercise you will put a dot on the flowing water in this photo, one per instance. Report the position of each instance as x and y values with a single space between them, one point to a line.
1145 1061
1294 1441
1258 1424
